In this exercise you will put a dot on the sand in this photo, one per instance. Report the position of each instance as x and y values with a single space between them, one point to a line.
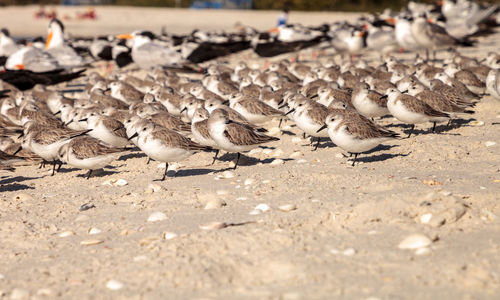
340 242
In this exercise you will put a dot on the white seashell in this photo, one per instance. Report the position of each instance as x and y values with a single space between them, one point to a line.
222 192
93 230
120 182
334 251
267 151
255 212
278 153
140 258
214 226
153 188
255 151
66 233
157 216
424 219
114 285
277 162
91 242
296 154
215 203
169 235
301 161
241 198
266 181
349 252
274 131
44 292
263 207
296 140
415 241
2 276
287 207
490 143
249 181
19 294
228 174
476 123
423 251
109 182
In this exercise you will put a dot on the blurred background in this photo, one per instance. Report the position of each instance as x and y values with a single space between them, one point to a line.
304 5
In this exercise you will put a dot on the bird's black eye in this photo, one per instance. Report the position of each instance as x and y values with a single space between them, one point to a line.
144 128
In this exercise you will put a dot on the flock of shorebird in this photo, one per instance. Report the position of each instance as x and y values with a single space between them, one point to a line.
170 116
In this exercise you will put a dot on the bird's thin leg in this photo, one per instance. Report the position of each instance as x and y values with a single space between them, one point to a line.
165 173
434 127
149 160
60 165
88 174
215 156
54 163
411 130
317 144
355 157
237 160
281 121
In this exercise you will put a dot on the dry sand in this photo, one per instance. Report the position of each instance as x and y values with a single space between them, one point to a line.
341 241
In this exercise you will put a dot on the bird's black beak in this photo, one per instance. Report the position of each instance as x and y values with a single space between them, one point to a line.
290 111
225 102
384 97
321 128
229 121
118 128
133 136
18 149
314 96
83 120
57 112
70 121
403 92
184 109
21 135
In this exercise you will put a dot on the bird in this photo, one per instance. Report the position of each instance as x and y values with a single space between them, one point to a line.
232 136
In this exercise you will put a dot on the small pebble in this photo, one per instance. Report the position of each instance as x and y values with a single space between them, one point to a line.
169 235
120 182
214 226
349 252
19 294
222 192
114 285
266 181
66 233
296 154
263 207
255 151
2 276
91 242
278 153
296 140
249 181
241 198
301 161
255 212
86 206
287 207
93 230
476 123
157 216
44 292
425 218
339 155
153 188
140 258
490 143
228 174
277 162
422 251
267 151
22 197
415 241
215 203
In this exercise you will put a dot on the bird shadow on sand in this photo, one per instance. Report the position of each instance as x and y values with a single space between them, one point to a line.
13 187
132 155
190 172
16 179
246 160
98 173
380 157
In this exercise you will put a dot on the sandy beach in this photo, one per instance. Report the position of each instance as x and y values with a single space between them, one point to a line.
332 230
